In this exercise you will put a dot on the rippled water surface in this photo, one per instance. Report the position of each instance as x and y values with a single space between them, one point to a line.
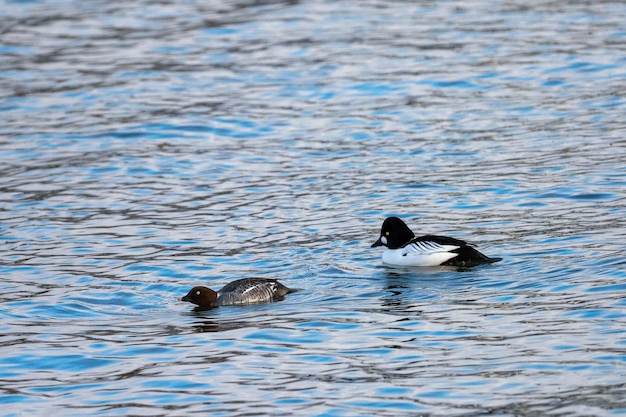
149 146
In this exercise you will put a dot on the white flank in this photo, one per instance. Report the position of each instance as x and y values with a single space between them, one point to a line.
419 254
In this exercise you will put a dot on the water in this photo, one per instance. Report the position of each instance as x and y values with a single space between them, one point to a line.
147 147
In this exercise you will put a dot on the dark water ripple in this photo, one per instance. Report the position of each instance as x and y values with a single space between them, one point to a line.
146 147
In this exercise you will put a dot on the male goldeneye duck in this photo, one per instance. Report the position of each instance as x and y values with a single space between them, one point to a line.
402 248
239 292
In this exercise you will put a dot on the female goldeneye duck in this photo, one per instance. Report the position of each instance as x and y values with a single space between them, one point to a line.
239 292
402 248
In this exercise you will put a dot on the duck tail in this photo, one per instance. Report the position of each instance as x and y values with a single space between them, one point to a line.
468 256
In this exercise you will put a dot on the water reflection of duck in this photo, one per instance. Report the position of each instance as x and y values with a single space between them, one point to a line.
239 292
402 248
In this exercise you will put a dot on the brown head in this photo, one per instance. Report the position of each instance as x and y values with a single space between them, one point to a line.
202 296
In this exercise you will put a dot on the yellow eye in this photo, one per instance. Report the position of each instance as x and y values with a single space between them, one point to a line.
386 233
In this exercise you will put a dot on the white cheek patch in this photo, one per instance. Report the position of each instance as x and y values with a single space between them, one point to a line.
383 239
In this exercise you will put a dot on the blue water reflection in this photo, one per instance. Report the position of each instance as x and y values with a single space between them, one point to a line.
148 147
